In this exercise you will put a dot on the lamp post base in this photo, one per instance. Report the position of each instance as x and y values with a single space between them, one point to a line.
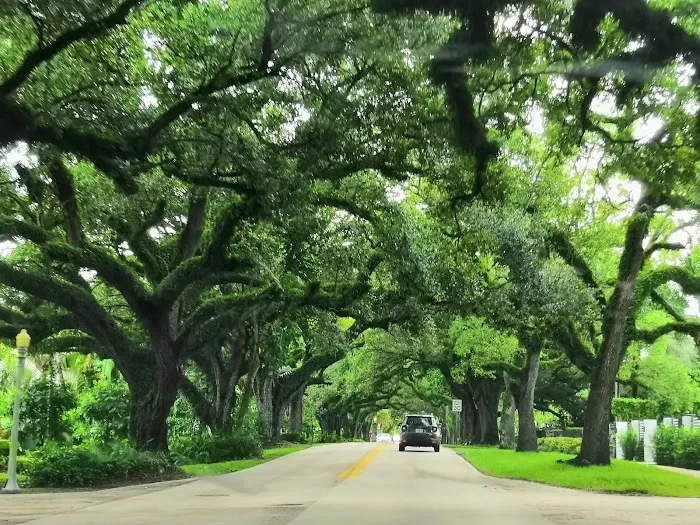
11 487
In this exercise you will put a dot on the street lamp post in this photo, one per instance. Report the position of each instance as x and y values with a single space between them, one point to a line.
22 344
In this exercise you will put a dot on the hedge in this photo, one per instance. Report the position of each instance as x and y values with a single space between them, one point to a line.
565 445
678 447
207 448
631 408
59 465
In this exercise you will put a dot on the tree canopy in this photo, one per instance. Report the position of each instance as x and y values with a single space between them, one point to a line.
387 205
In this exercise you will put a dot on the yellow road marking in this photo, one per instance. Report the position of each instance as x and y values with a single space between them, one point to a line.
361 464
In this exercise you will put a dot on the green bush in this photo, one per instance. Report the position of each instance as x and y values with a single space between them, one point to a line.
56 465
44 404
4 453
678 447
628 441
631 408
216 448
329 438
565 445
4 448
102 413
665 443
293 437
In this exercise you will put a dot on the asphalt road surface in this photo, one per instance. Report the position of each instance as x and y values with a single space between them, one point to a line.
348 484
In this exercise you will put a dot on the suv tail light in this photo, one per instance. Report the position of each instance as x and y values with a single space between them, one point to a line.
404 428
434 429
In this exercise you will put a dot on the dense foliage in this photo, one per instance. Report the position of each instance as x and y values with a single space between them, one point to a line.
217 448
83 466
628 442
678 447
565 445
283 217
631 408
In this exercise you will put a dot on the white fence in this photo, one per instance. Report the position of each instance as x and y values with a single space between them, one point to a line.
646 431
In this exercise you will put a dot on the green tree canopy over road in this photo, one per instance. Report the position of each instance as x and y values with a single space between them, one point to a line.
310 211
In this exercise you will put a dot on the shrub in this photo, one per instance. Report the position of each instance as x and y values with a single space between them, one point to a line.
216 448
44 404
293 437
688 449
665 442
573 432
565 445
678 447
631 408
55 465
102 413
4 453
628 441
4 448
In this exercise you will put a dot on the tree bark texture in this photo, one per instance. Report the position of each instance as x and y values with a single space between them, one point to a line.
296 411
486 394
507 427
595 448
270 414
527 434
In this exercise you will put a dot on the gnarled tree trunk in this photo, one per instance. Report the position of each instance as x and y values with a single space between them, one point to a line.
507 428
595 448
149 406
527 429
270 412
486 394
296 410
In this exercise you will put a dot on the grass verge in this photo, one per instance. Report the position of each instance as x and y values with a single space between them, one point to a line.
624 477
226 467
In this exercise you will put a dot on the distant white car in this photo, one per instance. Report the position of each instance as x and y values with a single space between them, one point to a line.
383 438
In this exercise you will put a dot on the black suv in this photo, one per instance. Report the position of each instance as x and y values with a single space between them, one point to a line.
419 430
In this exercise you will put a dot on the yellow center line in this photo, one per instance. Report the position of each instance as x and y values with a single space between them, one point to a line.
356 468
361 464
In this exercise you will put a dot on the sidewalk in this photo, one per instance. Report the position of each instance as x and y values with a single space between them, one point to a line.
31 505
689 472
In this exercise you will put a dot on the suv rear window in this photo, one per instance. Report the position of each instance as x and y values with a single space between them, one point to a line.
419 421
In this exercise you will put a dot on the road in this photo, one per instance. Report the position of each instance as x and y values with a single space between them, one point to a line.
348 484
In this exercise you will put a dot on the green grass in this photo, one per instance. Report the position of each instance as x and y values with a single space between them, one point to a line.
226 467
621 477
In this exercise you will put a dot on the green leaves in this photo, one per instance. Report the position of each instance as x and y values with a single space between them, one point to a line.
481 349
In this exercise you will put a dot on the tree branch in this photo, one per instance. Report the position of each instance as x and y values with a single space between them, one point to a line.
655 247
567 251
88 31
656 297
568 340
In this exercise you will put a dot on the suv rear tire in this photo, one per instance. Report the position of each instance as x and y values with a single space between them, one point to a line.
436 448
402 448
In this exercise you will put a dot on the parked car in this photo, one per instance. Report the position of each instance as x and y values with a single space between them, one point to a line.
420 430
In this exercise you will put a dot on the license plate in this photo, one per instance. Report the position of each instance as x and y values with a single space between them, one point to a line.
420 430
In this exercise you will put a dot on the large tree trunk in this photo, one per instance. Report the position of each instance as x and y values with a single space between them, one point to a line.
467 431
270 413
527 434
149 407
487 393
248 388
152 397
507 429
595 448
359 417
296 411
